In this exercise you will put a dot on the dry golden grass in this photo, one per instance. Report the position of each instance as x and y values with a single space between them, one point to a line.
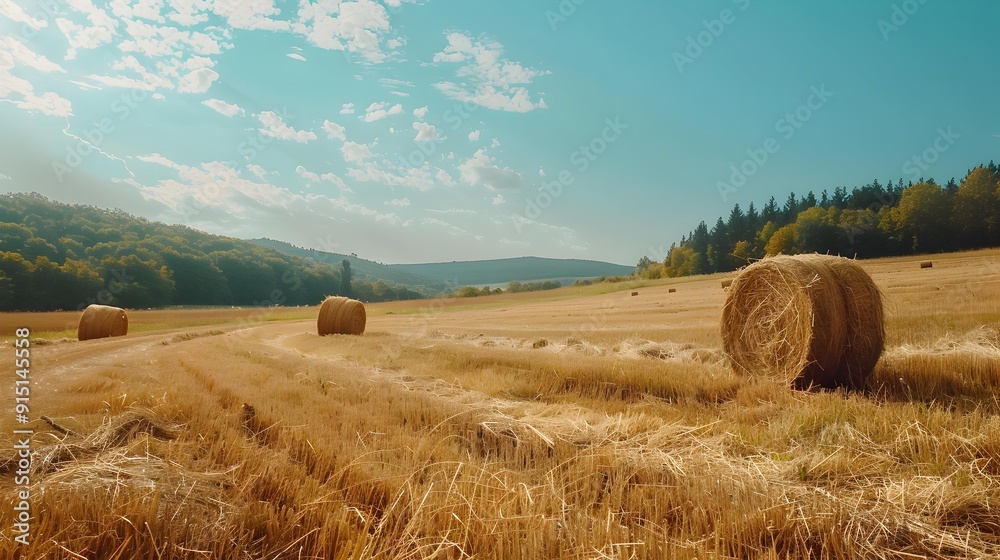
576 424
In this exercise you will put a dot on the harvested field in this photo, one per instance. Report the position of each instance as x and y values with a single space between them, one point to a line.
565 424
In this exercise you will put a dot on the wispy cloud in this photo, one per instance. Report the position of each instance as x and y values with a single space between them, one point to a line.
275 127
379 111
488 79
223 108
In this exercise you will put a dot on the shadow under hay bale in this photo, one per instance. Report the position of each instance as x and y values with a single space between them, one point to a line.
340 315
102 321
809 320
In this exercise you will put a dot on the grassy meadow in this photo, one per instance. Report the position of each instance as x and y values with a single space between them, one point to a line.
582 423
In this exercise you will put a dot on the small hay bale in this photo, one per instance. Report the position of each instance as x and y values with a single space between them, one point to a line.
727 283
671 290
635 293
927 264
809 320
340 315
102 321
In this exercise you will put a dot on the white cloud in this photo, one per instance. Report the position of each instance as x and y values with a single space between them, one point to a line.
474 136
275 127
399 202
498 200
164 161
328 177
452 211
145 80
411 177
197 81
296 56
425 132
257 170
355 153
347 109
445 178
48 103
488 79
156 41
189 12
420 112
14 12
541 172
334 130
378 111
482 169
7 177
221 196
84 86
394 83
251 14
101 29
354 26
452 229
495 143
220 106
307 175
26 57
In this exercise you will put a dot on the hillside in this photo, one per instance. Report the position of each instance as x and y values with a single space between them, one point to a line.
522 269
446 276
361 268
60 256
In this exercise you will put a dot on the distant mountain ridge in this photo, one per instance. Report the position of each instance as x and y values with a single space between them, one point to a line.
360 268
522 269
447 276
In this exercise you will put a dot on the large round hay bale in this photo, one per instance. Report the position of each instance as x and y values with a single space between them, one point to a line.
865 323
102 321
809 320
927 264
340 315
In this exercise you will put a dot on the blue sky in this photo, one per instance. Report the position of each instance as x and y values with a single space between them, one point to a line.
439 130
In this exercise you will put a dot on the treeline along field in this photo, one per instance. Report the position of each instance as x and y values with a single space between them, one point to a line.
870 221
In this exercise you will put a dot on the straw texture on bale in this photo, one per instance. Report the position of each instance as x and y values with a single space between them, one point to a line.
340 315
809 320
927 264
102 321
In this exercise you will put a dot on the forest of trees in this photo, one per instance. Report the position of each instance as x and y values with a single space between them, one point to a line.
57 256
873 220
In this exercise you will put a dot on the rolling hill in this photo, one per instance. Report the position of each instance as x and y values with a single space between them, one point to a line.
447 276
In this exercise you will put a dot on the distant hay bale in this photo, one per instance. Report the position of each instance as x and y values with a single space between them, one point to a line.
927 264
102 321
671 290
727 283
809 320
340 315
635 293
